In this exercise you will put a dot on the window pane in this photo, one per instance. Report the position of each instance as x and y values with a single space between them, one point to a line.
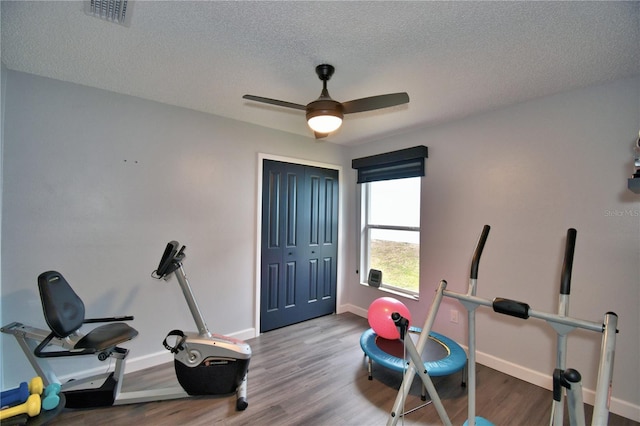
395 202
397 255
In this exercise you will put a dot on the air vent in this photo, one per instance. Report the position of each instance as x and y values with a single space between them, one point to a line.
109 10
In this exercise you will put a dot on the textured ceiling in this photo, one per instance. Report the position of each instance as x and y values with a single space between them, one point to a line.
453 58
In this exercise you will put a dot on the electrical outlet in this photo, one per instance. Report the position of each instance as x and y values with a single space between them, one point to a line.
454 316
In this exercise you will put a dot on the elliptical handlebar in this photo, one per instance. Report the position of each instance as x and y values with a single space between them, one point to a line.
475 263
171 259
567 265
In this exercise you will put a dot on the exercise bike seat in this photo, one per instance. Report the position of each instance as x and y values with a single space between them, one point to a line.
64 313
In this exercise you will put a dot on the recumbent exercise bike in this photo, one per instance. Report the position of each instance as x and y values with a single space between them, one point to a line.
205 363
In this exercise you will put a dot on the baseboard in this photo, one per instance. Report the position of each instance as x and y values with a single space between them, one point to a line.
617 406
353 309
246 334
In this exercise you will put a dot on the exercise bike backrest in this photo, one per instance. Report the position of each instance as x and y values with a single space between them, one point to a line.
171 259
63 309
64 313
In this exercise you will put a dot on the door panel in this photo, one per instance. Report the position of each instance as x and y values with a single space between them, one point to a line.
290 285
273 271
299 271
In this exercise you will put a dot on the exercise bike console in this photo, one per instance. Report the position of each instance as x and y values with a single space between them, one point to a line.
170 260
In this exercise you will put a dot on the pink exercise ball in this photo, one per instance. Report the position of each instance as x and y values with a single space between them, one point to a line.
379 316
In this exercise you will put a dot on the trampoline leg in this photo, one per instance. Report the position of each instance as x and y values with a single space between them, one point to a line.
370 369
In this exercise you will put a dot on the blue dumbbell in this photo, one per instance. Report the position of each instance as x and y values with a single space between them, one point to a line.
20 394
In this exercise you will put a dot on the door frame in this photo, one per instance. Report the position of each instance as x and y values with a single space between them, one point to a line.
258 233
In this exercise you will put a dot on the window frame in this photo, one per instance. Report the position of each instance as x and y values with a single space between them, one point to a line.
365 228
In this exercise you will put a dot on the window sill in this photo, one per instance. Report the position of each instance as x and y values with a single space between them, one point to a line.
394 292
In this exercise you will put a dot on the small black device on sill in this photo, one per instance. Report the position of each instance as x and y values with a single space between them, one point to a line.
375 277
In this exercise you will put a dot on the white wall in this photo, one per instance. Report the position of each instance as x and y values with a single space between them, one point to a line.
532 171
71 202
96 184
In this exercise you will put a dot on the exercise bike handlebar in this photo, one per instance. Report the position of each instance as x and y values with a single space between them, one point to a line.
565 280
171 259
475 263
171 262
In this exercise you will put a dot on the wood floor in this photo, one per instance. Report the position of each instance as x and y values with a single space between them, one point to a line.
314 373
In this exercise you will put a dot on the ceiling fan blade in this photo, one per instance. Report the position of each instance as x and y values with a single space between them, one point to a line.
375 102
275 102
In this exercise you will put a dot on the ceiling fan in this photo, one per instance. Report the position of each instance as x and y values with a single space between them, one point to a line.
324 115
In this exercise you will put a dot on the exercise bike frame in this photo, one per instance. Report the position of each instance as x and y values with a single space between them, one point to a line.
29 338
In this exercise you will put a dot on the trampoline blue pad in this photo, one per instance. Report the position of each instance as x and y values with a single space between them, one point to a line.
454 361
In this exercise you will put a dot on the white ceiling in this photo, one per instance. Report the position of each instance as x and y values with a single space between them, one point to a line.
453 58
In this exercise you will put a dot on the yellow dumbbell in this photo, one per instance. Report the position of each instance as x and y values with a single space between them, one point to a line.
31 407
36 385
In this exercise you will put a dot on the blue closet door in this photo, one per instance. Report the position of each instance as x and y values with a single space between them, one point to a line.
299 243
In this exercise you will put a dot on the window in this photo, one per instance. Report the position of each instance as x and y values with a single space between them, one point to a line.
390 216
391 232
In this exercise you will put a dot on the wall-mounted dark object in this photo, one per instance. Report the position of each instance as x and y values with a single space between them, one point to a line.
634 180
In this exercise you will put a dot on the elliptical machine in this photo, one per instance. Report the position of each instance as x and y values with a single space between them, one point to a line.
205 364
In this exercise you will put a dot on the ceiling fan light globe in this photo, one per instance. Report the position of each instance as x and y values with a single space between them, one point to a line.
324 123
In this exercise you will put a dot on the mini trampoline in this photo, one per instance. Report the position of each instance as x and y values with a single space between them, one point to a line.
442 356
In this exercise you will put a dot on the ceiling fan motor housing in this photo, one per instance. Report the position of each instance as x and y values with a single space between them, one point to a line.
324 107
324 116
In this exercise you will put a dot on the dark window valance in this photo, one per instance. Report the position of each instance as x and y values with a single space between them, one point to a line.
399 164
